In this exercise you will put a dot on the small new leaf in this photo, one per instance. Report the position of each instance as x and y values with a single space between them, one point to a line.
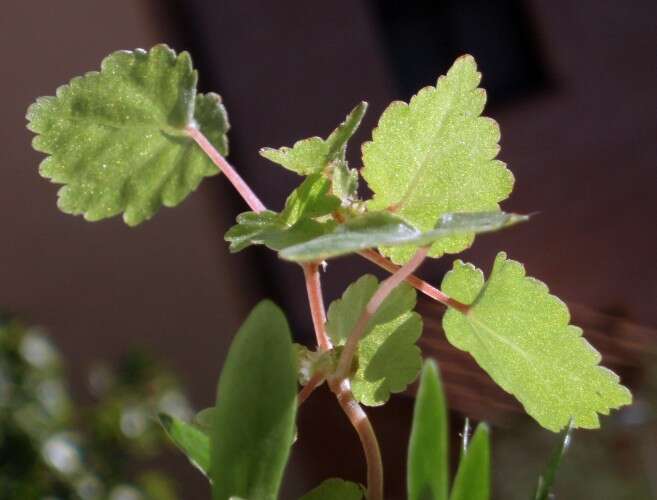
312 155
377 229
294 225
521 336
116 138
336 489
436 155
191 440
388 359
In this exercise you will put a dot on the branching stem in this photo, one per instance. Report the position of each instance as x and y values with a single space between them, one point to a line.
341 388
415 282
385 288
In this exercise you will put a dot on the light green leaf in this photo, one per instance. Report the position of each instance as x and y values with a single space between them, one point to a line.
294 225
388 359
427 473
345 181
312 155
472 481
310 200
116 138
336 489
191 440
520 334
546 480
253 424
204 418
383 228
436 155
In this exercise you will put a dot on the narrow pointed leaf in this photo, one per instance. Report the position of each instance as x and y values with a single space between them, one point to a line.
312 155
345 182
191 440
388 359
436 155
521 336
116 138
336 489
546 481
310 200
253 426
385 229
472 481
427 473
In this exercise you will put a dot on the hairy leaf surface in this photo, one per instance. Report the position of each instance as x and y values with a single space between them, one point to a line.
116 138
335 489
253 427
312 155
436 155
520 334
388 359
383 228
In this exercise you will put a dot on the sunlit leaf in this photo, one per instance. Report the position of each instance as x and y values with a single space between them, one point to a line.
427 473
436 155
472 481
253 425
388 359
191 440
520 334
312 155
116 138
385 229
336 489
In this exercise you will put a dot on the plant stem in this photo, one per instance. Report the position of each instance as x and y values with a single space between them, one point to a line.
314 382
342 389
385 288
358 418
238 183
317 310
417 283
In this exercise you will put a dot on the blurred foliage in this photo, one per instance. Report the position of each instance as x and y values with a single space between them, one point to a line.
617 462
50 449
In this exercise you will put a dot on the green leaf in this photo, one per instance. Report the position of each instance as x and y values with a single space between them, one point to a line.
345 181
116 138
312 155
427 473
383 228
388 359
253 426
436 155
472 481
521 336
191 440
310 200
336 489
295 224
546 480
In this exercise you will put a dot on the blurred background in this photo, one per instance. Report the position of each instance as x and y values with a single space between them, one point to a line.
573 87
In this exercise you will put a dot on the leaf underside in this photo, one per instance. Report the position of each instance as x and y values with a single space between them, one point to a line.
521 336
116 138
436 155
388 359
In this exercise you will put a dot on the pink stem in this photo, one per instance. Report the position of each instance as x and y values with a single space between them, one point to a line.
238 183
385 288
314 289
415 282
